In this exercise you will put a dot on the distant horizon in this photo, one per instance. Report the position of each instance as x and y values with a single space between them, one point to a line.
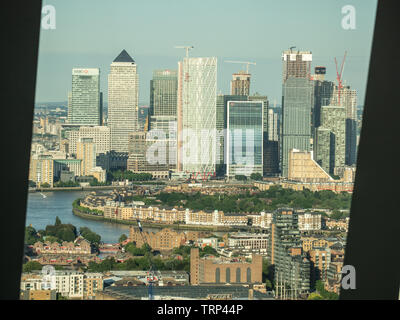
149 30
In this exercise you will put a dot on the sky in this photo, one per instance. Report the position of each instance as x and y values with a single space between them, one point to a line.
91 33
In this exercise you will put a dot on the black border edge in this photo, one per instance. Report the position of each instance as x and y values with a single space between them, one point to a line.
21 27
373 237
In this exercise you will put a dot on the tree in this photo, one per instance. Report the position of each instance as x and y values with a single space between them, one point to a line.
45 185
58 221
90 236
256 176
314 296
31 265
240 177
31 236
336 215
122 238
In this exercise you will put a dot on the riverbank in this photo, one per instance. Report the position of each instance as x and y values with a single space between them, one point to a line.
155 225
90 188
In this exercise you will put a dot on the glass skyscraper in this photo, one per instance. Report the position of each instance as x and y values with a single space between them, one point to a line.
84 100
333 118
245 137
163 93
221 123
197 121
296 117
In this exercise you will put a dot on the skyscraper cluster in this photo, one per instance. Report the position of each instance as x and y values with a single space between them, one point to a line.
190 131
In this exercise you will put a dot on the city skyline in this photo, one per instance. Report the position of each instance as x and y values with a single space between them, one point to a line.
56 57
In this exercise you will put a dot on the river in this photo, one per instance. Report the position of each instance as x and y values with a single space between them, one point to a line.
42 211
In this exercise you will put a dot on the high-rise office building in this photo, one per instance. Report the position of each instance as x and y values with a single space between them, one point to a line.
348 99
197 115
296 118
86 151
148 155
245 138
123 97
323 152
333 128
240 84
99 134
323 96
296 64
221 125
163 93
273 125
163 102
84 101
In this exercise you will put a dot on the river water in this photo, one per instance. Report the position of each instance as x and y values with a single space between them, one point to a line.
43 211
43 208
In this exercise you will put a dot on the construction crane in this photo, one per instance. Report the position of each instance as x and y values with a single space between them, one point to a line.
187 48
247 63
339 76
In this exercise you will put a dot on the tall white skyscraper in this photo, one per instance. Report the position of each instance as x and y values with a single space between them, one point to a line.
273 125
123 99
197 119
84 107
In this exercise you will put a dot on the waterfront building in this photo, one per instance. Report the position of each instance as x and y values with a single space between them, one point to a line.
85 101
163 240
72 165
41 170
123 99
86 151
112 160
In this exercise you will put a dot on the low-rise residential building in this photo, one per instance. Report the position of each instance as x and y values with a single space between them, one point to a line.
70 284
163 240
248 242
342 224
310 221
79 246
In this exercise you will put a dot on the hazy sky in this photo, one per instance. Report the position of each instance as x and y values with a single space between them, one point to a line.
91 33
